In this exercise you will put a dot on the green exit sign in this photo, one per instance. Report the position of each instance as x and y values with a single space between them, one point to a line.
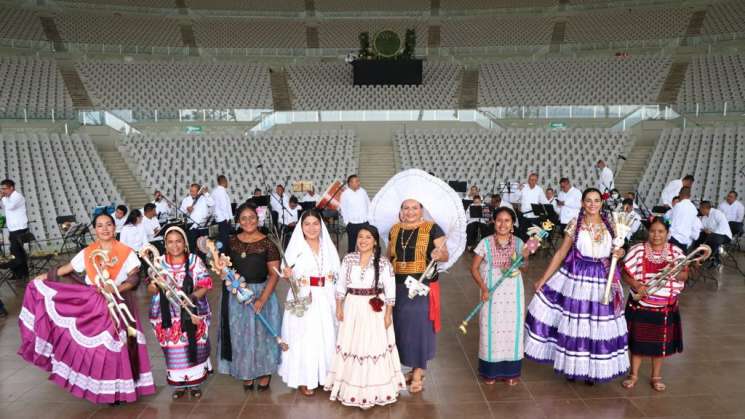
193 129
557 125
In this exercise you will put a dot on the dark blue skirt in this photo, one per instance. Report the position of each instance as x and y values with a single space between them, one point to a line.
500 370
415 332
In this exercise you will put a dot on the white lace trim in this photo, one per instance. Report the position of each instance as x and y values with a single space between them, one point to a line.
104 338
87 383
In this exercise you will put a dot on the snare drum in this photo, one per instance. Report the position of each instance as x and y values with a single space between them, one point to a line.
330 199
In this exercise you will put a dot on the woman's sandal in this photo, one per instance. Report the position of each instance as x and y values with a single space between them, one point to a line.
630 382
306 392
512 382
249 387
409 376
489 381
657 384
178 393
196 393
416 386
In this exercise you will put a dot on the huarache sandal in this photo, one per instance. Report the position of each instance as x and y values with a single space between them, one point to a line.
511 382
630 382
249 386
416 386
305 391
196 393
264 387
657 384
178 393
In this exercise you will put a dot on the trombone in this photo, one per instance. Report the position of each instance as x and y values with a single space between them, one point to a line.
165 279
668 274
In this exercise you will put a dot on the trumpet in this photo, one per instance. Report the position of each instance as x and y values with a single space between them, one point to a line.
165 280
662 278
119 312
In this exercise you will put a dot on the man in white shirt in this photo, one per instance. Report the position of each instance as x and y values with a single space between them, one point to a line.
150 223
162 207
223 210
278 201
628 207
120 217
530 194
716 230
673 189
354 207
569 201
685 225
734 211
289 219
554 203
605 181
311 196
16 219
197 205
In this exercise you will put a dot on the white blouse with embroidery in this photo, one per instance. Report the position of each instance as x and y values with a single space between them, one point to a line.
352 275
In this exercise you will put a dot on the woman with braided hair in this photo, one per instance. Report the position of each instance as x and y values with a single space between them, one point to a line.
184 338
366 370
567 323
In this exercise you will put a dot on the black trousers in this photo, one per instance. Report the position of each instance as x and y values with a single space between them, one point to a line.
476 231
223 234
713 240
680 245
19 264
352 230
736 228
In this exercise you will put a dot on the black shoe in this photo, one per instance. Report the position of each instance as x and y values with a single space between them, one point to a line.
266 386
249 387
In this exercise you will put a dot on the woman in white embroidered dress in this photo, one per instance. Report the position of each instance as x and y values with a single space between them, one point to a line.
366 370
313 262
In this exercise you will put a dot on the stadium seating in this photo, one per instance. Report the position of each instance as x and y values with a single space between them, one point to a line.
35 85
713 80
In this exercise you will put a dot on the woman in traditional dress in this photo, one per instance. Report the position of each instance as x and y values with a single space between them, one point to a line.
247 351
502 318
654 321
413 244
314 264
68 330
567 323
184 338
366 370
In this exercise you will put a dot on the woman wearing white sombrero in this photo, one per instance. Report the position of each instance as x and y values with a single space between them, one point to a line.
426 222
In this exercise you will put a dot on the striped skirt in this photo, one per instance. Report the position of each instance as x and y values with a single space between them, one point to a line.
654 331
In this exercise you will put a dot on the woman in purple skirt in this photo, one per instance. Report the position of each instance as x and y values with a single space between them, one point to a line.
68 328
567 323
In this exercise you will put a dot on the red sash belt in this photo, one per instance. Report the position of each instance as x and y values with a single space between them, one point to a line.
317 281
434 305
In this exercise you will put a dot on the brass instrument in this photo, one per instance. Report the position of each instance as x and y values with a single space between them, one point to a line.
119 312
298 305
165 279
668 274
6 259
65 227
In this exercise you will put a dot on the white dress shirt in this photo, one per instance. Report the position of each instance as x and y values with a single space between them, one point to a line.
716 222
119 222
162 208
734 212
276 202
150 225
530 196
354 205
15 211
201 210
671 191
685 225
292 215
311 198
572 200
605 180
133 236
223 210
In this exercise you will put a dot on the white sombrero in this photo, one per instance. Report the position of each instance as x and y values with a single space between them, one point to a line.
441 205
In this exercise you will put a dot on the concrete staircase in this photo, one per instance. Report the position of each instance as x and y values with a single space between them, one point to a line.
558 36
671 87
188 38
695 24
127 183
433 36
376 166
628 178
469 89
52 33
281 100
311 37
73 84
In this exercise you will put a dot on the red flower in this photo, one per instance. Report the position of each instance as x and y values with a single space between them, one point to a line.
377 304
605 196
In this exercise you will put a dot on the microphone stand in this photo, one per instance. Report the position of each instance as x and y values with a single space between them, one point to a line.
272 226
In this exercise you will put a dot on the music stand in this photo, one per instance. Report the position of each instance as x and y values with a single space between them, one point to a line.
546 212
259 201
458 186
466 203
660 209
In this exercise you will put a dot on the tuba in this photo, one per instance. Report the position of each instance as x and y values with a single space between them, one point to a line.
119 312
